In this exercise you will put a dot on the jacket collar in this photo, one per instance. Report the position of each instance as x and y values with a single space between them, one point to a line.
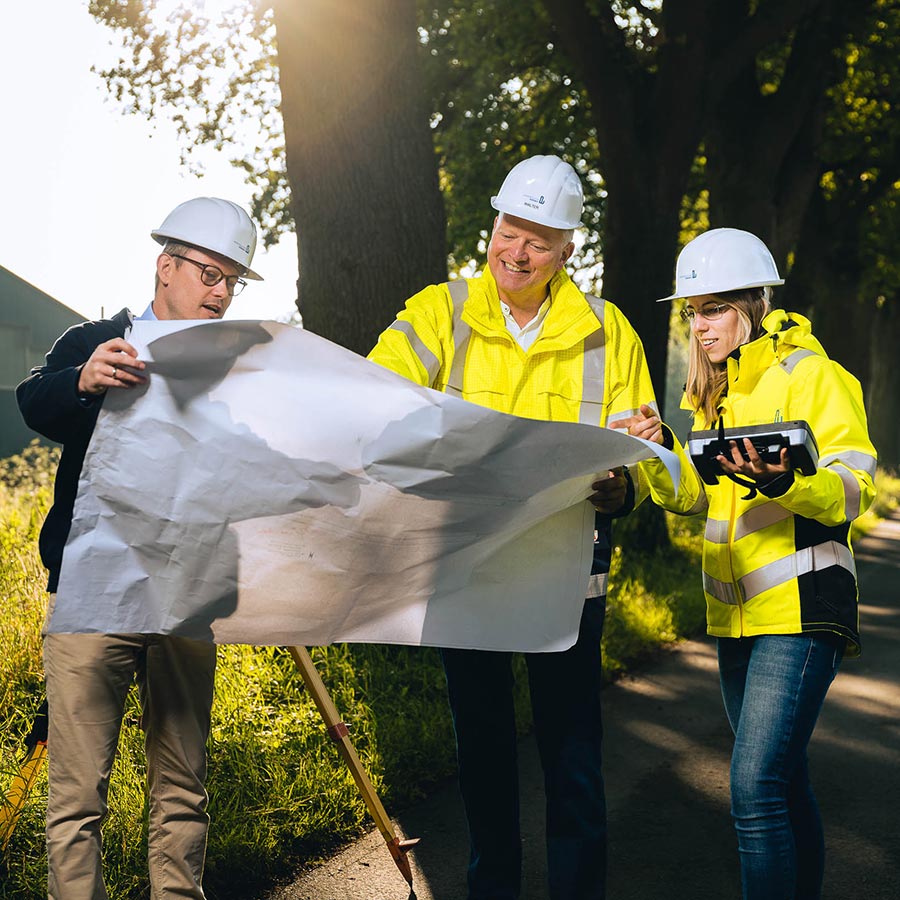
782 332
569 319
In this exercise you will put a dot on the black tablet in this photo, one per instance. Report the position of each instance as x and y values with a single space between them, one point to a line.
768 439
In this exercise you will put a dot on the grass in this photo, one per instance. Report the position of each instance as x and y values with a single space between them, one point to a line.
887 498
655 597
280 797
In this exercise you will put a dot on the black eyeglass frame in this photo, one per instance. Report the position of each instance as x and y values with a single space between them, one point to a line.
234 284
710 312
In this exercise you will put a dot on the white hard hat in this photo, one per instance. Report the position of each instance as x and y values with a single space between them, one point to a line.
212 224
723 259
542 189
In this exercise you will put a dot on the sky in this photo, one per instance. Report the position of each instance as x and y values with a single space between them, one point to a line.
82 184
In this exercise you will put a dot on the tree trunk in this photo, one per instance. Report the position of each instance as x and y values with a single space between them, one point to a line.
360 160
639 247
825 283
763 165
883 394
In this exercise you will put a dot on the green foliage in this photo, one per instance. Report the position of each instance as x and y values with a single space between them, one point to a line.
490 110
887 501
217 82
861 181
655 596
32 469
24 499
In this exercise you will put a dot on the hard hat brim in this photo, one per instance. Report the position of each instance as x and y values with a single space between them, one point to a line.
741 287
520 213
163 239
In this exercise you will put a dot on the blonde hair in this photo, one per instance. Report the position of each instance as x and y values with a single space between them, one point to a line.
706 381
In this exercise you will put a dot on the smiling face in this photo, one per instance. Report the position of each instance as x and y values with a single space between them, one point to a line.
180 293
523 257
718 336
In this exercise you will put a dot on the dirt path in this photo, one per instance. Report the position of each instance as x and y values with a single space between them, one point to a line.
667 746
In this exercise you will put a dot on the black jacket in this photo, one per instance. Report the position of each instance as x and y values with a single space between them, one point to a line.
51 406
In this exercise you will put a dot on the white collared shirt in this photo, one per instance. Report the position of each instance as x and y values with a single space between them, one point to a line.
530 331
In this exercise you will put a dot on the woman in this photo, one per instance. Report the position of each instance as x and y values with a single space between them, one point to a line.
778 571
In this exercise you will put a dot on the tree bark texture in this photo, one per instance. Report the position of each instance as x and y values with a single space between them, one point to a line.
883 393
856 330
763 162
825 283
361 164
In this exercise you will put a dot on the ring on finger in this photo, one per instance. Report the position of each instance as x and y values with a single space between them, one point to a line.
115 373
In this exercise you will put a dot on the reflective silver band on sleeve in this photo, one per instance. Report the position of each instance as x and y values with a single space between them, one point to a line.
597 586
851 492
852 459
810 559
593 378
789 363
701 504
431 363
459 291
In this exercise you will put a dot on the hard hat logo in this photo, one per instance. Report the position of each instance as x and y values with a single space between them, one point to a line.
722 260
533 202
559 201
211 223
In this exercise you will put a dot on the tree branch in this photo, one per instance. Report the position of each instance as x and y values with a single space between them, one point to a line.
597 48
771 21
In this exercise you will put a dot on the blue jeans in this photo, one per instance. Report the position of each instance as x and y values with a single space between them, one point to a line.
773 687
565 699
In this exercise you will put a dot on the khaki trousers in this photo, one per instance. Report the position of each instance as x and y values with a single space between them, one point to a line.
88 677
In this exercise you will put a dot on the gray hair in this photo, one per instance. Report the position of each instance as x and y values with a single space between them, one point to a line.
174 249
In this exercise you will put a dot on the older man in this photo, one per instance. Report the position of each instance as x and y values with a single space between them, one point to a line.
208 246
522 339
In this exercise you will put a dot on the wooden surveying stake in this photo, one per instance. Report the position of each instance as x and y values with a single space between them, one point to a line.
337 731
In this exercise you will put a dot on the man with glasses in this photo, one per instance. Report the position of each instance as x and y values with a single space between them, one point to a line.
208 246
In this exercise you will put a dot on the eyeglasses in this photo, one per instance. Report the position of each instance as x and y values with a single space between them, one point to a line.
212 275
710 312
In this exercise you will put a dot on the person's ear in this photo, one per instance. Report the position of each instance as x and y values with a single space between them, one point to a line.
566 254
165 264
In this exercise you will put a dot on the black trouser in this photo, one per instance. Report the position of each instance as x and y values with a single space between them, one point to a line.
565 698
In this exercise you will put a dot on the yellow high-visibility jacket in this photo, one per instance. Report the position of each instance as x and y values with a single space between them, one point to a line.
781 562
587 365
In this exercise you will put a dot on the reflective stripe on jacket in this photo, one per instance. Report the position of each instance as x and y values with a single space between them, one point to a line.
587 365
783 564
